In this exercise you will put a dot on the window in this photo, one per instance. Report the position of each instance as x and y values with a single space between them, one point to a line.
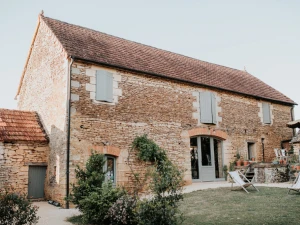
251 151
208 108
110 169
266 113
104 86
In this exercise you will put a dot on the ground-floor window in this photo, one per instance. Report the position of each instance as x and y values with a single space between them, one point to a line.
206 158
110 169
251 150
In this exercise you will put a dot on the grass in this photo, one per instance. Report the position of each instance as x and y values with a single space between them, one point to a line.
223 206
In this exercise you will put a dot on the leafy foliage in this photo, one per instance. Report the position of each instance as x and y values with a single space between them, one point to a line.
96 205
89 179
91 194
123 211
16 209
166 185
148 150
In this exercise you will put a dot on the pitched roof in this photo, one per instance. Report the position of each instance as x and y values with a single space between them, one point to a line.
98 47
16 125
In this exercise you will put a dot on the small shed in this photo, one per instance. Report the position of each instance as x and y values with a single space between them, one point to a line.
23 152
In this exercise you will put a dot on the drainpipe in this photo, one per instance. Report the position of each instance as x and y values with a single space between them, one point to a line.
293 118
68 134
263 148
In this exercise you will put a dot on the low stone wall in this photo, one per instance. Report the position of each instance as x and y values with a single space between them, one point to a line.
269 173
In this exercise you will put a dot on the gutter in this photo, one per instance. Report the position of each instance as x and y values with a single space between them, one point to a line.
68 135
181 80
293 118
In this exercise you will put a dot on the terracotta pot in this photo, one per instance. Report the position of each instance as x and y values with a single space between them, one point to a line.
239 163
246 163
284 162
280 161
252 159
297 168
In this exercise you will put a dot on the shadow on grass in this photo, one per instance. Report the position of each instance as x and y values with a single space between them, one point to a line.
223 206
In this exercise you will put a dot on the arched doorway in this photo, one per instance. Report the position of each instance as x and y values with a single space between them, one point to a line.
206 158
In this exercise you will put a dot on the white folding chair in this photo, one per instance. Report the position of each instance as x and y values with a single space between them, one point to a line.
277 153
237 178
296 185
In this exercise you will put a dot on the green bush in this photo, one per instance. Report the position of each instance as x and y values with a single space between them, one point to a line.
123 211
166 186
91 195
16 209
95 206
88 180
160 211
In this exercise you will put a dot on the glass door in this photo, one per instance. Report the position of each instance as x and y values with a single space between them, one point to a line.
206 158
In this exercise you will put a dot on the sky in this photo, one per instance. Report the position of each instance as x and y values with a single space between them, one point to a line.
261 36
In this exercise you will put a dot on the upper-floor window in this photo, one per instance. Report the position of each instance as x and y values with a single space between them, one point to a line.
104 86
266 113
208 112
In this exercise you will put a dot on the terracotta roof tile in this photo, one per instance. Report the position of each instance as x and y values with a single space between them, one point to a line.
18 125
102 48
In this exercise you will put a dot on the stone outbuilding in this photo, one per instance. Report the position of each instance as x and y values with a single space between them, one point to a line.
23 152
95 91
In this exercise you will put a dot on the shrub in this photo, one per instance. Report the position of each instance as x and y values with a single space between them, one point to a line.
89 179
91 195
159 211
123 211
166 185
95 206
16 209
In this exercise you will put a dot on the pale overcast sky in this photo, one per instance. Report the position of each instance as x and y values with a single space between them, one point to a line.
263 36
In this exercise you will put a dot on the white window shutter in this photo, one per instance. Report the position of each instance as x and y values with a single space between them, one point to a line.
104 86
205 107
213 108
266 113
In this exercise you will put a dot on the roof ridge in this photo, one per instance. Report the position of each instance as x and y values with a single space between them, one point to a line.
150 46
108 50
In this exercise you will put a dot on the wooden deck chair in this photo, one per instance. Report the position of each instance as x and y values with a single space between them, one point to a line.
296 185
237 178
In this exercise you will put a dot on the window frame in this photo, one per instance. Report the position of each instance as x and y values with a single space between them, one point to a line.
114 169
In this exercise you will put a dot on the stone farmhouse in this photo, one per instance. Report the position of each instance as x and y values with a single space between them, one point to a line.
97 92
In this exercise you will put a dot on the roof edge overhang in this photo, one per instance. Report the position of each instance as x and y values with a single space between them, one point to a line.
180 80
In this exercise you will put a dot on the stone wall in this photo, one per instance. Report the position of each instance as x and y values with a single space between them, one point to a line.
44 90
166 111
15 159
268 173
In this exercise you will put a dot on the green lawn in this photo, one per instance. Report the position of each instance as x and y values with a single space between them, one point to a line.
223 206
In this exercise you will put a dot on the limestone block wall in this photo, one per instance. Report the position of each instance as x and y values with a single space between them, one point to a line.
166 110
44 90
15 159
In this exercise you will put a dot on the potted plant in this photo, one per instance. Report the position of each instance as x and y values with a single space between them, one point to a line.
297 166
252 159
238 161
246 162
225 170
